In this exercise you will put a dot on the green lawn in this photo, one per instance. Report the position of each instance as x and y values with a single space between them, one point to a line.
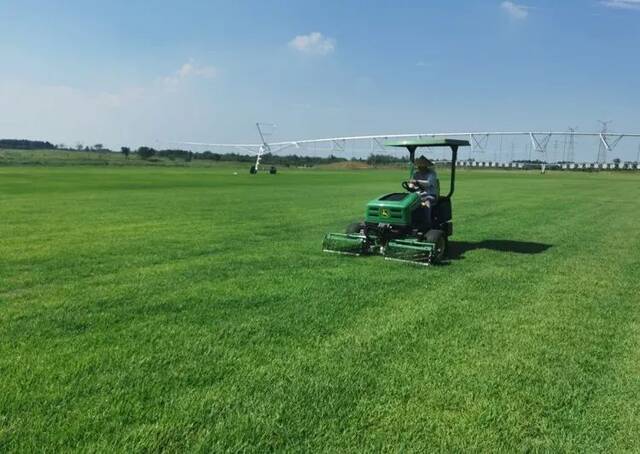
190 309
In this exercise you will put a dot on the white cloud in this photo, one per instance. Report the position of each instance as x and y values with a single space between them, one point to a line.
622 4
313 43
514 10
132 115
61 113
190 70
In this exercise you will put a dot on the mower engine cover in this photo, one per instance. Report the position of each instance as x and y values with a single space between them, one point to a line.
395 209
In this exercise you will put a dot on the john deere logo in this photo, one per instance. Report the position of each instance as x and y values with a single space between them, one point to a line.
384 213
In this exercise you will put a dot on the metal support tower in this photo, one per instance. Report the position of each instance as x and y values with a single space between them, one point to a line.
603 146
264 147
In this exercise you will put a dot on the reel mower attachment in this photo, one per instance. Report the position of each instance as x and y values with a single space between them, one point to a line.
345 243
410 251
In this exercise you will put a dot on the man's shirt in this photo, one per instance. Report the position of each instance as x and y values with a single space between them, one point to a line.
428 182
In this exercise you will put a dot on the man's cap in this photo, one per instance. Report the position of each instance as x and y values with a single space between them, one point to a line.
423 162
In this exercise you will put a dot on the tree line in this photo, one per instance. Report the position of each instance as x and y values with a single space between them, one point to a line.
23 144
186 155
268 158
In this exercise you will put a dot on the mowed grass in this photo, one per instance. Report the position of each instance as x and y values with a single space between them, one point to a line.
190 309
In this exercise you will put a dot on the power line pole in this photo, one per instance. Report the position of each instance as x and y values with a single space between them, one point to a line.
571 145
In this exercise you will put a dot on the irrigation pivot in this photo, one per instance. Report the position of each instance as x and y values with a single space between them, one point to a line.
538 142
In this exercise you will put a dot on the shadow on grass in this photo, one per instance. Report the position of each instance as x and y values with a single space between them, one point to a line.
457 249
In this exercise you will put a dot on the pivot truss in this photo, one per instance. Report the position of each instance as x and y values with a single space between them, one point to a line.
539 141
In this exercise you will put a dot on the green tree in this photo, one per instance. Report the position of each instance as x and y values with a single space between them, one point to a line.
125 151
146 152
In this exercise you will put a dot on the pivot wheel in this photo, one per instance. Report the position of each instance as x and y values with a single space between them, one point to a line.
438 238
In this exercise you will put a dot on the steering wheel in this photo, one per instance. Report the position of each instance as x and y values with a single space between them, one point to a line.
406 186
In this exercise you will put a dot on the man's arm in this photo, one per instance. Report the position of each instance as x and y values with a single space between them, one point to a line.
427 182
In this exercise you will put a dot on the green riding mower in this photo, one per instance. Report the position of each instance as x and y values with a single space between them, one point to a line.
396 225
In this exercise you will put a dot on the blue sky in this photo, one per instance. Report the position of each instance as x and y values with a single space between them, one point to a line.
147 72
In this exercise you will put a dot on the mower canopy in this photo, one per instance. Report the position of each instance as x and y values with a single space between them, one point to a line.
433 142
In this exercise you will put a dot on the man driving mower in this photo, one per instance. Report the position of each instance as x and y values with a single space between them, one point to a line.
425 179
396 225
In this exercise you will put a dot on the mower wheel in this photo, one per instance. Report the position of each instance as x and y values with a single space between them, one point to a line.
354 227
438 238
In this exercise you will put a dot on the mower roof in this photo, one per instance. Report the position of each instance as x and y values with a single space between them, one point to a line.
433 142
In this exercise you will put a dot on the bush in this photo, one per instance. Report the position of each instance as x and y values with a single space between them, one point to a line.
146 152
